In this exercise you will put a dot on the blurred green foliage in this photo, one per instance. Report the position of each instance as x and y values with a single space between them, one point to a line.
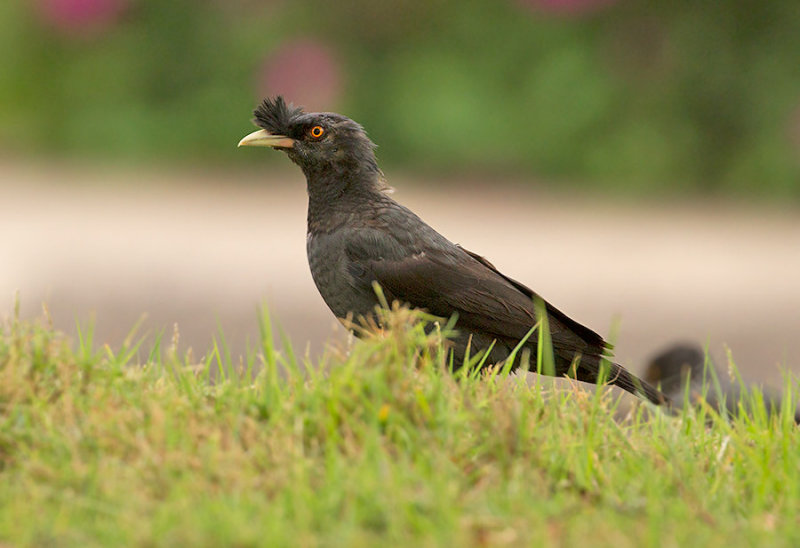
646 98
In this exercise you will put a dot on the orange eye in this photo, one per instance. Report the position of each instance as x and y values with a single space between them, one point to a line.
316 132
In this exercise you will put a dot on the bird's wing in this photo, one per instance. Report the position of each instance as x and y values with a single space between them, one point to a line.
445 279
554 315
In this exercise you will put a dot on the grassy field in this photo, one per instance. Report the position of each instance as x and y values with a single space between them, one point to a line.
376 446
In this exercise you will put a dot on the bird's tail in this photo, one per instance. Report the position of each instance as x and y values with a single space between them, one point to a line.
589 369
619 376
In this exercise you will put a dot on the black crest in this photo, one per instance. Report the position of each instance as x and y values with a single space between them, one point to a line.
274 115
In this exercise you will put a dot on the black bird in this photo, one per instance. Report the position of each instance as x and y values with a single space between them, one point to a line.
358 235
685 365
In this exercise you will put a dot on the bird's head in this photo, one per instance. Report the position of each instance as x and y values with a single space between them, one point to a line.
319 142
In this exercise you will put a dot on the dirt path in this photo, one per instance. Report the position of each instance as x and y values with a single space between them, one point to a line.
202 250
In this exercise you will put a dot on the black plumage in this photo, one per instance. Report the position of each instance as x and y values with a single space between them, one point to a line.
358 235
684 369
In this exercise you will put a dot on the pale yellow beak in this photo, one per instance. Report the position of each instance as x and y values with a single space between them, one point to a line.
262 138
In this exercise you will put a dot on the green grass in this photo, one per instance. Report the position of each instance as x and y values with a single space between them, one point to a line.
381 446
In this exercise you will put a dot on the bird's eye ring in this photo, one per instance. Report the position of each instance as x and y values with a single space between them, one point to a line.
316 132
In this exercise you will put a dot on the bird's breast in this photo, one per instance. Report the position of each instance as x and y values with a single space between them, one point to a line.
328 263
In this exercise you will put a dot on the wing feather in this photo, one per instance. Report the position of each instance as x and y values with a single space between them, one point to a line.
454 280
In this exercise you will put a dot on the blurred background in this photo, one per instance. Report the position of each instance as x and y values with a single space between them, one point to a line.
637 165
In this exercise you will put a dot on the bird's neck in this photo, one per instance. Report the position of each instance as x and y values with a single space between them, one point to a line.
334 195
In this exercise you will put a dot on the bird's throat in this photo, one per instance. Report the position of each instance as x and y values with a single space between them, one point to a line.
332 200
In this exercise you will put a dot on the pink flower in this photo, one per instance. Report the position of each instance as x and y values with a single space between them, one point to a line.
78 17
305 72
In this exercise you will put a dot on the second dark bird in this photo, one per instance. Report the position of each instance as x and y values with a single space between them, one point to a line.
358 235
